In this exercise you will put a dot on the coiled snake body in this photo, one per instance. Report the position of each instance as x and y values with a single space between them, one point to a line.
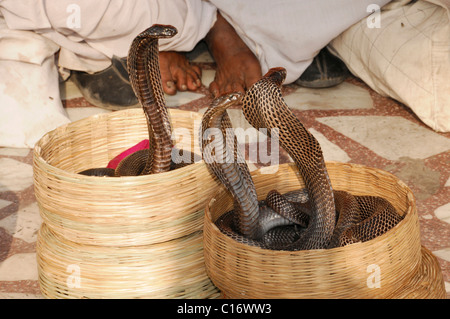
328 218
145 78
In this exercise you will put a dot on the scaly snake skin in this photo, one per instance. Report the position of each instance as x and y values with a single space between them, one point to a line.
222 155
145 78
315 218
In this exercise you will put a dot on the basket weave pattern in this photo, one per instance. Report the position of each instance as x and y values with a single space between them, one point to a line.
129 236
374 269
118 211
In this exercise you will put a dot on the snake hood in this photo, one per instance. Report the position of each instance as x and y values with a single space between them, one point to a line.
145 78
264 107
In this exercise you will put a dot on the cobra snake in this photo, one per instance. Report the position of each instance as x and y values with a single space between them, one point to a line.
316 217
145 78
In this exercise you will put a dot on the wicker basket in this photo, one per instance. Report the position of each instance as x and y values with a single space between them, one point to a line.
123 211
427 283
113 228
173 269
379 268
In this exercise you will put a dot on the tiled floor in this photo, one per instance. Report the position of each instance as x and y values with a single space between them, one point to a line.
352 123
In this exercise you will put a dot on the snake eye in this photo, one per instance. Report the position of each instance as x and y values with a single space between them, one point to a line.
235 96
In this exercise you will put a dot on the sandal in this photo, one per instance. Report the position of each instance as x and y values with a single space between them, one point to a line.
326 70
110 88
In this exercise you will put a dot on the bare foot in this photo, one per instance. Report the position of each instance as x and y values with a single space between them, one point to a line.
177 74
237 67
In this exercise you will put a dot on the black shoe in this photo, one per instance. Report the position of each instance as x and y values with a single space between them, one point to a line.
326 70
109 89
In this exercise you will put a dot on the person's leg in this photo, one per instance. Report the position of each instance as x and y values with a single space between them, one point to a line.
237 67
91 35
111 89
290 34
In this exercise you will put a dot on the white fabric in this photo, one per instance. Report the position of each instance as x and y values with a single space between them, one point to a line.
30 104
86 34
406 58
91 32
290 33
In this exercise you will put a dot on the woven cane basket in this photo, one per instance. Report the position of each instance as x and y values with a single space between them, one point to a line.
129 237
174 269
393 265
124 211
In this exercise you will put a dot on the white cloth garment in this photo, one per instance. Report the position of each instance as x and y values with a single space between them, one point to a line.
86 34
91 32
406 56
30 103
290 33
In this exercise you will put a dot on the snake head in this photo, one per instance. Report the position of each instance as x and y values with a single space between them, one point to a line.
160 31
221 103
226 100
276 75
212 118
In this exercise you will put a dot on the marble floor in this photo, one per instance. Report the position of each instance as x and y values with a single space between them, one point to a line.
352 123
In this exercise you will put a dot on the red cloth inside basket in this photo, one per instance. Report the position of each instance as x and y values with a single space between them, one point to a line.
139 146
